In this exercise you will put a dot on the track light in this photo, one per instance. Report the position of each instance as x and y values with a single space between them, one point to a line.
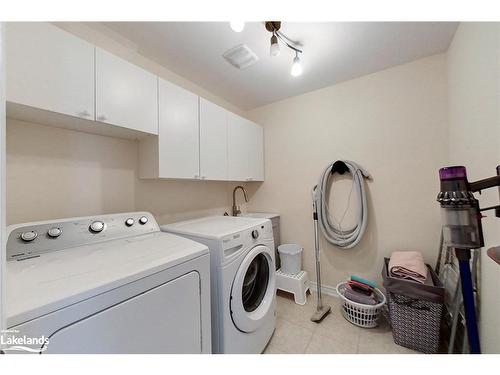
296 69
275 47
277 37
237 26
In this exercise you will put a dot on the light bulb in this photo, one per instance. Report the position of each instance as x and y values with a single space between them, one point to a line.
275 47
296 67
237 26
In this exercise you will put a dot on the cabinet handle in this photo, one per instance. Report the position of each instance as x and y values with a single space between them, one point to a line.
203 177
196 176
101 118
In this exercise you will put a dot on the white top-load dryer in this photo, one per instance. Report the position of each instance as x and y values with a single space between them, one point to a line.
242 278
107 284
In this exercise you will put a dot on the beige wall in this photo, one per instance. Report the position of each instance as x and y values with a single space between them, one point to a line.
176 200
54 173
474 98
394 123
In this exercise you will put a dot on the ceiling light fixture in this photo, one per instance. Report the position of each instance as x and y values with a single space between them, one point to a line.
237 26
274 28
275 47
296 66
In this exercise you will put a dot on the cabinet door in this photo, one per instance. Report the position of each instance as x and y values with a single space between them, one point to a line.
256 152
238 148
126 95
178 147
245 150
213 141
50 69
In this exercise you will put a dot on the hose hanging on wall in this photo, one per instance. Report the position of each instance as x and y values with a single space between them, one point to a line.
349 237
336 235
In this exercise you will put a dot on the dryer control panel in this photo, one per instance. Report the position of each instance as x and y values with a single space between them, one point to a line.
32 239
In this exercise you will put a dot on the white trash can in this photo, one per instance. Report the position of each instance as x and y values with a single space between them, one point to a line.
291 258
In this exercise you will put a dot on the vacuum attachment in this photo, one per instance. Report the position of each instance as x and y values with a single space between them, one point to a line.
321 312
461 217
461 214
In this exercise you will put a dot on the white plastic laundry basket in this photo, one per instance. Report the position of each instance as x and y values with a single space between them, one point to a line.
291 258
362 315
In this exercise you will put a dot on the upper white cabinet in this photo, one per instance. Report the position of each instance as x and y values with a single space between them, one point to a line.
245 150
176 151
200 140
256 152
58 79
213 141
50 69
126 95
237 148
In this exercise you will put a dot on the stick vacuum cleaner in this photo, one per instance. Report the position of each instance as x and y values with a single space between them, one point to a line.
321 310
462 231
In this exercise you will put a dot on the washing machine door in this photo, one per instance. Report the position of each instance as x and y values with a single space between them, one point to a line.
253 289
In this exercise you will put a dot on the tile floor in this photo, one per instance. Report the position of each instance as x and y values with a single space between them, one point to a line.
296 334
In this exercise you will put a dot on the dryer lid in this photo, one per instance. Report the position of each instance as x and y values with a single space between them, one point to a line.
213 226
55 280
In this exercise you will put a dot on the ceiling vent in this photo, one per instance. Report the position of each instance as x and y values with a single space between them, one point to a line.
241 56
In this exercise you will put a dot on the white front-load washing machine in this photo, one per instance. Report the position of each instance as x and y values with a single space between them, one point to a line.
243 286
106 284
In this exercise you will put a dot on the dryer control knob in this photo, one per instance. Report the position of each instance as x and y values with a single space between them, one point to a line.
255 234
143 220
129 222
54 232
29 236
96 226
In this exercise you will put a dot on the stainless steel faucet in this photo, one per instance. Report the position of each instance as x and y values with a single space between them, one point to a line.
236 209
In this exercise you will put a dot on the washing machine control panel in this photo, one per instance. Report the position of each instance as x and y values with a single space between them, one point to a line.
33 239
233 243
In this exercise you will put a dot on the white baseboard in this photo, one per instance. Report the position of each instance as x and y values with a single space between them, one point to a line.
325 289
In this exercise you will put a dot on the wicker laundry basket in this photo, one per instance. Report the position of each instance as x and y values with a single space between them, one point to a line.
415 311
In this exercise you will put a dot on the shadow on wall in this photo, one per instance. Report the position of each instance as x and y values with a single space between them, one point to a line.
176 200
54 173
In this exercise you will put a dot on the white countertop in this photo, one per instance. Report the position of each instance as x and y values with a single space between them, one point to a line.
213 226
263 215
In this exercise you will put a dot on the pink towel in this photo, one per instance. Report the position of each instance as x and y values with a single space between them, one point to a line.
408 265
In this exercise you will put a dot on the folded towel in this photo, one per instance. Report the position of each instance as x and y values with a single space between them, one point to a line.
359 297
360 287
363 281
408 265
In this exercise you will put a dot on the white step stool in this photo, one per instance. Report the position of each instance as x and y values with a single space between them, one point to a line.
297 284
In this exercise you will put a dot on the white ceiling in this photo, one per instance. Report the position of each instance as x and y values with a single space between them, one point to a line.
333 52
